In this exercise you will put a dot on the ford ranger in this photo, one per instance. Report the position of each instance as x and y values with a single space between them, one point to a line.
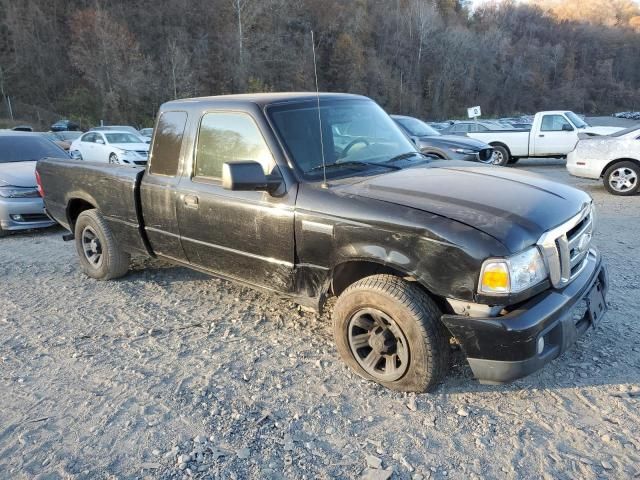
552 134
269 190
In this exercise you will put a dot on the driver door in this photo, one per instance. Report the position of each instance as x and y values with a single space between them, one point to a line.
556 136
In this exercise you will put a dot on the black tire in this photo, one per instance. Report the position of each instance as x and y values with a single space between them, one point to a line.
3 233
112 262
113 158
502 157
416 316
632 184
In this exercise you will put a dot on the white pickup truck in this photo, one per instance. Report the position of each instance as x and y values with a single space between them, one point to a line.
552 134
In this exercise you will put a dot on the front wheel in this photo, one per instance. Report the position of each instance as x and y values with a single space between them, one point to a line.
501 156
99 253
388 330
113 158
622 178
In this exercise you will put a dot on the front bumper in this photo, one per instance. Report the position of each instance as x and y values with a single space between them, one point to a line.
23 214
502 349
482 156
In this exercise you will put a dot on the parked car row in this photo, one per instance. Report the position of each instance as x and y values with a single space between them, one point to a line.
628 115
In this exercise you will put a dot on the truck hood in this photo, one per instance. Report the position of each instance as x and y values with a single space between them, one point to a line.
515 208
18 174
452 141
600 130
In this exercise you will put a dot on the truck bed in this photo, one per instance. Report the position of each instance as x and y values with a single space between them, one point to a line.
112 189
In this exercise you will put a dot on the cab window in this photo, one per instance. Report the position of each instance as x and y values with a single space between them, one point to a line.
554 123
227 137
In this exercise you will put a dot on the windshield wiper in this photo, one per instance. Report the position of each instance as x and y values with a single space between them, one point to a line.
402 156
354 163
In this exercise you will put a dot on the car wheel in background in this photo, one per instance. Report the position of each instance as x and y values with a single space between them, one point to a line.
388 330
100 256
513 160
500 156
3 233
622 178
113 158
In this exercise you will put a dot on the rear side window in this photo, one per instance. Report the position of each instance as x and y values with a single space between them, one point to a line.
227 137
167 143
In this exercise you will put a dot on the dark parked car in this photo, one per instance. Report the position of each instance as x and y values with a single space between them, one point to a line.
311 197
20 204
447 147
62 125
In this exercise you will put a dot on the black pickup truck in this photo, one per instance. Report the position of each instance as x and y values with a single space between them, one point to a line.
312 196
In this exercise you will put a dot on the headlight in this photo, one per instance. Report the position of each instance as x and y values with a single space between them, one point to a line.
18 192
129 152
464 151
512 274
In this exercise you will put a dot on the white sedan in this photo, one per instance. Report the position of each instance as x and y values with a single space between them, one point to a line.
111 147
615 158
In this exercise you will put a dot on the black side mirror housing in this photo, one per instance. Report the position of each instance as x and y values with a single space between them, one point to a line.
567 128
247 175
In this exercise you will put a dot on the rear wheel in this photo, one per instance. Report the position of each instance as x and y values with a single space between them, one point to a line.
99 253
388 330
622 178
500 156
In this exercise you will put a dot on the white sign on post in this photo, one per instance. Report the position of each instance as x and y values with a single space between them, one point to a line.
474 112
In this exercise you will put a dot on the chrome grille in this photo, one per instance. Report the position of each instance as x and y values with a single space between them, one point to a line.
565 248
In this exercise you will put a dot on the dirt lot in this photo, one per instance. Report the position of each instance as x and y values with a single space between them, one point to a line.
119 379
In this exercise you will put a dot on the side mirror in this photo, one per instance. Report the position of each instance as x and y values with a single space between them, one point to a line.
567 128
247 175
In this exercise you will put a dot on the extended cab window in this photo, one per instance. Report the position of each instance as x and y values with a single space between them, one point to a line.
554 123
167 143
227 137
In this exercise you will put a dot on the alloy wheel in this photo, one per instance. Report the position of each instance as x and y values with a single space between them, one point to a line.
92 247
378 344
623 179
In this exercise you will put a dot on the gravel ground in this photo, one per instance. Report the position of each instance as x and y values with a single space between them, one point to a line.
168 373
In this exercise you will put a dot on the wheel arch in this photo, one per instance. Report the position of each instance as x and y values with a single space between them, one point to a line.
618 160
350 271
503 145
77 205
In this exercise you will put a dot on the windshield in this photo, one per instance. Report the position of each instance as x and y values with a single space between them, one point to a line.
352 131
27 148
576 120
69 135
627 131
121 138
416 127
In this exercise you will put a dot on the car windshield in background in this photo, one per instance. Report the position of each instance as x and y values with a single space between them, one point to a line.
122 138
68 135
417 127
27 148
576 120
354 132
626 131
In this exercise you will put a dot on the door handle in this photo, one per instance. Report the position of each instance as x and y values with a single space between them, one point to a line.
541 135
191 201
